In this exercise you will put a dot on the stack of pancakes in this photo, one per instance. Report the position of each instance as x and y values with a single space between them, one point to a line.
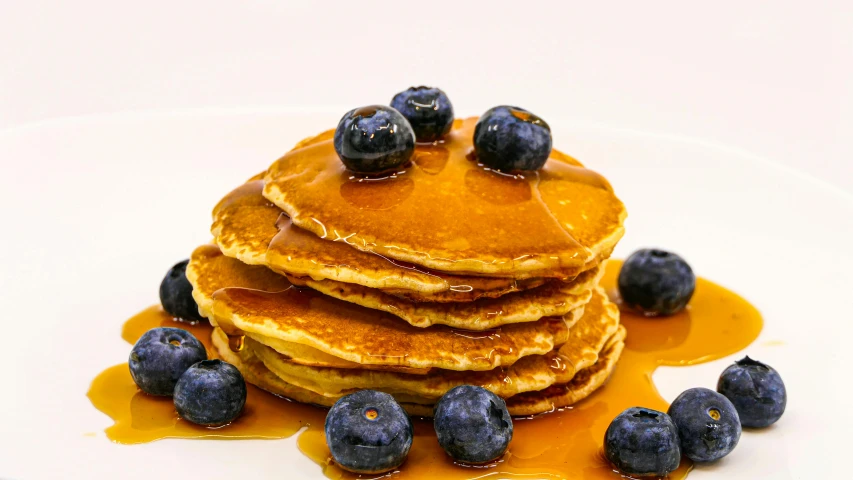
322 283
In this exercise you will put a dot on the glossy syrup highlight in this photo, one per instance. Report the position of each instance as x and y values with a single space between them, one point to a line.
561 444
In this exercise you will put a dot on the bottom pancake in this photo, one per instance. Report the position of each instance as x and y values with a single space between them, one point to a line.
257 374
311 357
584 383
587 338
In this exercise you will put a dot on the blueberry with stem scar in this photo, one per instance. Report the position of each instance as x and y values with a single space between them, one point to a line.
473 424
511 138
161 356
708 424
756 390
368 432
641 441
210 393
427 109
656 282
374 140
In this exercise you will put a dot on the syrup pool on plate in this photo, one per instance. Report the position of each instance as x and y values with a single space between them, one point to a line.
139 417
561 444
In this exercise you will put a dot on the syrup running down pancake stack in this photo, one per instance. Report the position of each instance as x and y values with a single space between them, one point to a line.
321 283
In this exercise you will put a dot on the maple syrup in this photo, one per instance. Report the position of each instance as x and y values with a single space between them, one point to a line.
140 418
560 444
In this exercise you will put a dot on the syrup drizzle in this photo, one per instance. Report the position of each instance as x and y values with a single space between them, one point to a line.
560 444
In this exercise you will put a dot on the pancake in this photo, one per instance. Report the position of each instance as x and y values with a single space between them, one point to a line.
244 223
308 356
240 230
596 329
582 385
257 374
242 298
254 372
305 355
208 271
250 228
556 298
447 213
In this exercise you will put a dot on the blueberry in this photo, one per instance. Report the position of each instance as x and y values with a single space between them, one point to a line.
427 109
368 432
641 441
161 356
473 424
176 294
756 390
707 422
374 140
656 282
511 138
210 393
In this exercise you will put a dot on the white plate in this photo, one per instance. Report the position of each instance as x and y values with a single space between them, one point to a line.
95 210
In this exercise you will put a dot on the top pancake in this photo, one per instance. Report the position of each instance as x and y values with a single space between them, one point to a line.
447 213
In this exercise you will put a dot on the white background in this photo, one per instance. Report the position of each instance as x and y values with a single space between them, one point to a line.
98 199
770 77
